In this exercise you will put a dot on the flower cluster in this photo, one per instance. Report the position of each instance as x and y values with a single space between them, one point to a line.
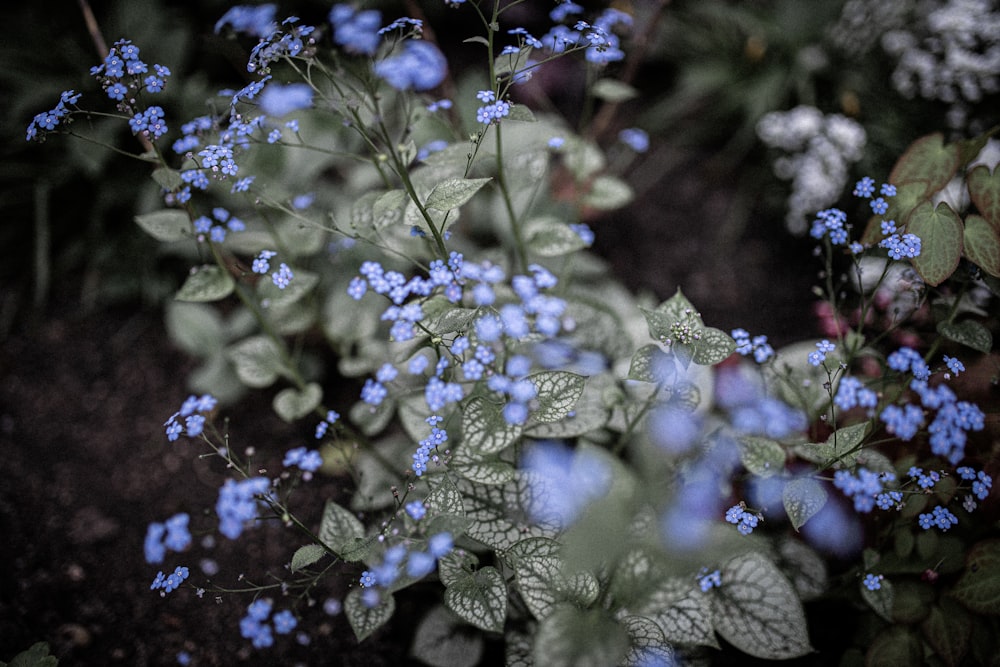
255 627
217 226
867 489
398 560
939 518
193 411
170 582
492 110
172 534
123 76
820 150
744 520
709 580
818 356
953 418
237 504
852 393
757 346
424 453
308 460
331 418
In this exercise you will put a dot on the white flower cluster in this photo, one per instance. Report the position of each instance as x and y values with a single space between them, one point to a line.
863 22
951 54
820 150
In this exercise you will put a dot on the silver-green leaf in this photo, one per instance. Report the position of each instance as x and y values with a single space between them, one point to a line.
291 404
803 498
558 392
479 598
206 283
365 620
166 225
758 611
454 192
306 555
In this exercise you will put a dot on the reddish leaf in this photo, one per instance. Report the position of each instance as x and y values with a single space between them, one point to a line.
940 232
982 244
927 159
984 189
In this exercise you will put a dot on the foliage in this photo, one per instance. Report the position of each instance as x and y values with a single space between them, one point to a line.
560 458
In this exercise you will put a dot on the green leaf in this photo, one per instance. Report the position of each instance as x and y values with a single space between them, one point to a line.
558 392
940 231
454 192
306 555
803 498
301 285
206 283
491 472
969 333
880 600
757 610
840 447
366 620
520 112
441 641
339 527
571 637
194 327
539 570
804 567
485 430
36 656
984 190
168 179
444 498
681 610
500 514
896 646
927 159
651 364
479 598
649 646
979 586
613 90
166 225
588 415
372 419
388 209
982 244
257 361
608 193
763 457
948 629
712 346
291 404
549 236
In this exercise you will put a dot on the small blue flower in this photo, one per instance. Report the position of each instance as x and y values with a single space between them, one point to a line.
416 510
419 65
709 580
865 187
873 582
954 365
284 622
634 138
879 206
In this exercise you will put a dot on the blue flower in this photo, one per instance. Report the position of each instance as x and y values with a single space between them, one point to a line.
709 580
635 138
284 622
954 365
563 481
357 32
879 206
280 100
864 188
237 504
744 521
258 21
419 65
872 582
416 510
